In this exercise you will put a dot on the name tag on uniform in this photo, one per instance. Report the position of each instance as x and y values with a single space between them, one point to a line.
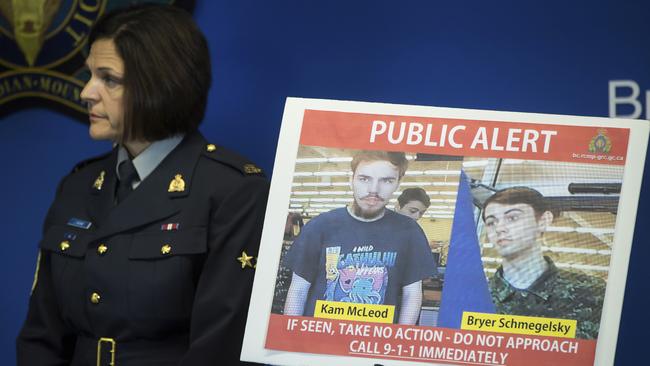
81 224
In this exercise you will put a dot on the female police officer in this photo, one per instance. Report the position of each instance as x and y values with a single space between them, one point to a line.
147 253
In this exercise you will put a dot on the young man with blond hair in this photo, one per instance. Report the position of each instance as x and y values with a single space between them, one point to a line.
362 253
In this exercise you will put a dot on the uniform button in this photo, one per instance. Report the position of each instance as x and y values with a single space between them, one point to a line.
64 245
211 147
101 249
94 298
166 249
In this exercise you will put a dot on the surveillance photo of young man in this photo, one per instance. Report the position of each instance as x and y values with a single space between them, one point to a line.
528 282
362 253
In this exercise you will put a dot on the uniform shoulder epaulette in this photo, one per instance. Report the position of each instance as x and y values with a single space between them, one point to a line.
93 159
232 159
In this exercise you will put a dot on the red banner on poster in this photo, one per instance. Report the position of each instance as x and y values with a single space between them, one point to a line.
425 344
462 137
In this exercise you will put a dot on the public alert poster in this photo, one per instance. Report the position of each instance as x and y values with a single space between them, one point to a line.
409 235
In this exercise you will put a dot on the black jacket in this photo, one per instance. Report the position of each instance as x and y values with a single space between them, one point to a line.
165 294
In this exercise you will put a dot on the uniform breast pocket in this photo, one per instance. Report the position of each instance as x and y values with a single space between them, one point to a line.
163 268
66 248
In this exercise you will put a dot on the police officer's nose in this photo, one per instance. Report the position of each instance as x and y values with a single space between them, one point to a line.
89 94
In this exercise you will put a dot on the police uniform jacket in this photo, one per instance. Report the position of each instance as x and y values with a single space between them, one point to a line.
162 278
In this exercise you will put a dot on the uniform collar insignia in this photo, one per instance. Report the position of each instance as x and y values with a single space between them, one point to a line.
99 182
177 184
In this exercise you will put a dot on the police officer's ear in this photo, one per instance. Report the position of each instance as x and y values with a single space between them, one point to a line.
544 221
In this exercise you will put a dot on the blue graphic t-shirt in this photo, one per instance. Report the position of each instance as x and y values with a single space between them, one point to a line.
348 260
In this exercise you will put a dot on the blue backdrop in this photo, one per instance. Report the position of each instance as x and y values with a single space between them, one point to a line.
548 57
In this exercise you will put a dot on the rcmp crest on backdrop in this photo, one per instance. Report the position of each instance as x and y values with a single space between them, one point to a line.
44 46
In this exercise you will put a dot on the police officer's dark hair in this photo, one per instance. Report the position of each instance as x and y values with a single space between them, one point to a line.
414 194
515 195
396 158
167 71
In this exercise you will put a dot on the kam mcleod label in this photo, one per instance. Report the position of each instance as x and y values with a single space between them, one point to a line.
351 311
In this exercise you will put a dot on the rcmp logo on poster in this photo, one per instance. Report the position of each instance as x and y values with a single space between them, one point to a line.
600 143
43 45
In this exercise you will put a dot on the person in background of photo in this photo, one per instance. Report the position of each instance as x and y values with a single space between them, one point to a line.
147 251
527 282
413 202
362 253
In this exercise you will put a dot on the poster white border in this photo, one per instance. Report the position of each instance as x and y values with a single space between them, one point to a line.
277 209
